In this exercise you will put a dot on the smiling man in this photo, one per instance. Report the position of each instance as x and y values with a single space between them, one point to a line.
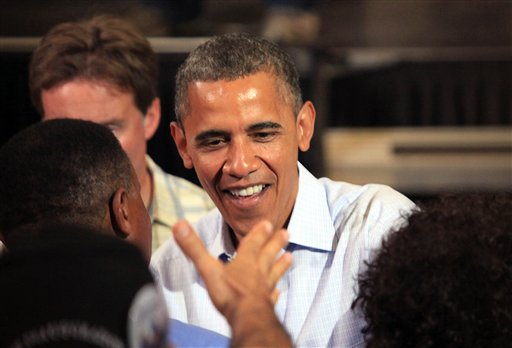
240 124
243 141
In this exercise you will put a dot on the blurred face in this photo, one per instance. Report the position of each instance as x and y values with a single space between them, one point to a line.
104 104
243 141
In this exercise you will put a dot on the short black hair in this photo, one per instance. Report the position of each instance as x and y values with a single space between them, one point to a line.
61 171
444 279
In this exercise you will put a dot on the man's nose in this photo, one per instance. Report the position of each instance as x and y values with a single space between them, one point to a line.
241 161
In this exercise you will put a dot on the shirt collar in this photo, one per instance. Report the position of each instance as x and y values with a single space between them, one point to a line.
219 242
161 196
311 223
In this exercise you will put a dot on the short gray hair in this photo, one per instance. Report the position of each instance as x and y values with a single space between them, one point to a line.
233 56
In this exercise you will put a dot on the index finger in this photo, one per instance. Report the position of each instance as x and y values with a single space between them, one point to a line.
252 243
193 247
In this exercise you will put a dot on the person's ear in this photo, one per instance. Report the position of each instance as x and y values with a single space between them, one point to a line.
178 134
120 213
152 119
305 123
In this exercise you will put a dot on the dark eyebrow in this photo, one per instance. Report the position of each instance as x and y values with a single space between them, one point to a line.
263 125
213 133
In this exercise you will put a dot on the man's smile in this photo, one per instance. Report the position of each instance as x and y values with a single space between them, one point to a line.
245 150
247 191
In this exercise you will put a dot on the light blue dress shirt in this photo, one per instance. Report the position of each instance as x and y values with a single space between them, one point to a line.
333 229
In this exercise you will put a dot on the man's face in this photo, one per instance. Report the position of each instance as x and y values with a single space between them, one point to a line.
105 104
243 141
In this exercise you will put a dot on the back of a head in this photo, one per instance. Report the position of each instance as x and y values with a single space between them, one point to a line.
101 49
233 56
444 280
61 171
69 286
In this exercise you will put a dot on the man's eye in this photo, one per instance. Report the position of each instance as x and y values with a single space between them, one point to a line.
213 143
264 136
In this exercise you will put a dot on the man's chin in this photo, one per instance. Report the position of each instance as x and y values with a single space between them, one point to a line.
242 229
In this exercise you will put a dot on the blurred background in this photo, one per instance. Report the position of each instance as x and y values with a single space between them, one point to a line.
416 94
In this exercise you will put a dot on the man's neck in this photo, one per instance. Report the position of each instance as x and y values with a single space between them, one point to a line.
233 237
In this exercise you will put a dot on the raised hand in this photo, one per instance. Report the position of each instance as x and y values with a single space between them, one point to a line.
254 272
243 290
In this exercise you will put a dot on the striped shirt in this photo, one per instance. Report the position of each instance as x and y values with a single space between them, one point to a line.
174 198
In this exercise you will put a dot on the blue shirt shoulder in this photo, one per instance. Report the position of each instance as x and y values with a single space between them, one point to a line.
183 335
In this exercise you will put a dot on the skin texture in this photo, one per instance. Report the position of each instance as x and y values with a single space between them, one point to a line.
128 217
239 134
105 104
244 289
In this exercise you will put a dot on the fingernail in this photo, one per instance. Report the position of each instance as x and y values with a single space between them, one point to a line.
181 231
268 226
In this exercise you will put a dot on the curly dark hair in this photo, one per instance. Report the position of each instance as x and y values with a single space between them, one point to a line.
103 48
233 56
60 171
444 279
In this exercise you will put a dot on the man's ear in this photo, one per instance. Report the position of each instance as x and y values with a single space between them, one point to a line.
152 119
178 134
120 213
305 125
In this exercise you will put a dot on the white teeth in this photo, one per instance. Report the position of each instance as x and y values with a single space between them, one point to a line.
249 191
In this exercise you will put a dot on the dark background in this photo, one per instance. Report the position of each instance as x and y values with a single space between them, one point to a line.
374 63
